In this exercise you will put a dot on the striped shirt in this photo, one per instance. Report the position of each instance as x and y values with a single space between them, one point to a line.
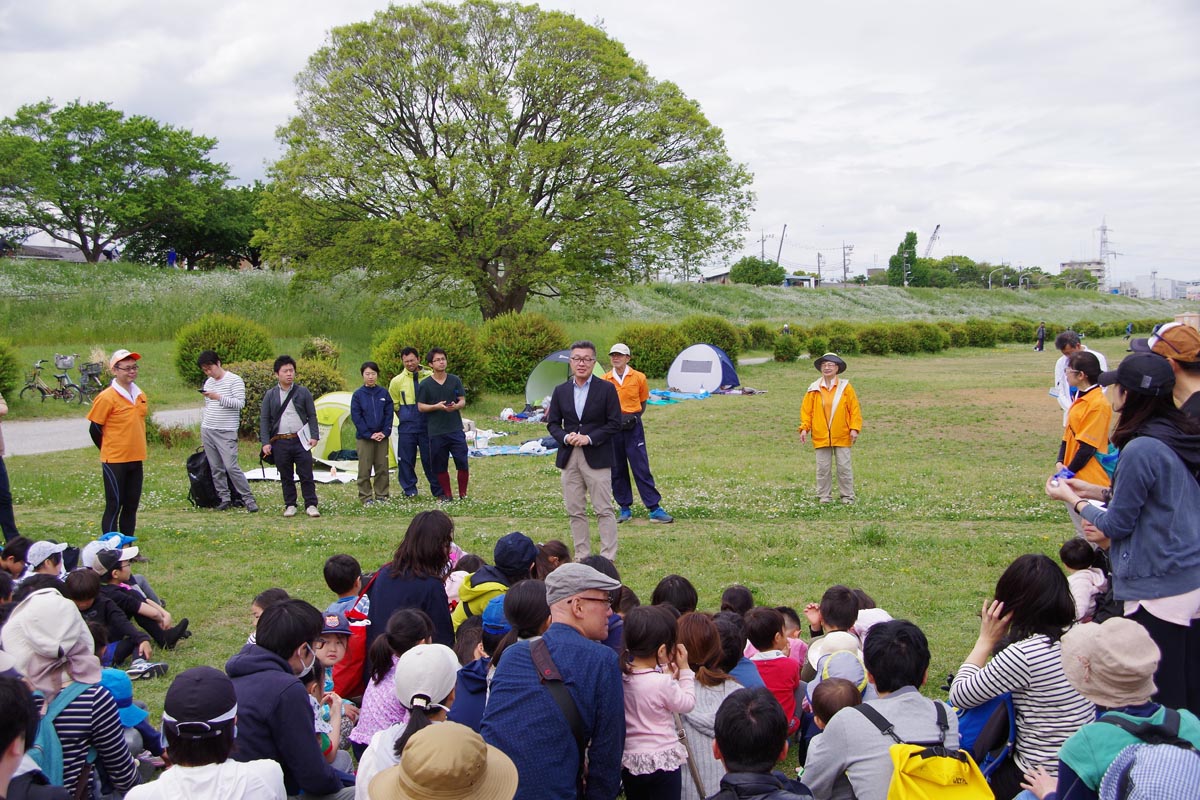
223 414
1048 709
90 720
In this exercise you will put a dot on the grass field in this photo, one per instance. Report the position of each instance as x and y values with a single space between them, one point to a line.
949 472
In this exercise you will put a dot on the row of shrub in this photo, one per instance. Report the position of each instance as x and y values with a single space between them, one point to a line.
881 338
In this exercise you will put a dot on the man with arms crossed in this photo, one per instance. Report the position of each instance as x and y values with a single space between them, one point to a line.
584 415
224 397
412 434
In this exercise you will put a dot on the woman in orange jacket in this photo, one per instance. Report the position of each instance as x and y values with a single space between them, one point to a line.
830 412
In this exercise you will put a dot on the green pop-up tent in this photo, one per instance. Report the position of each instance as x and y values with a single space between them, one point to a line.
550 372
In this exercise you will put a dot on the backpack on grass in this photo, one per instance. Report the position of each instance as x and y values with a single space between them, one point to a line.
1164 765
929 771
202 492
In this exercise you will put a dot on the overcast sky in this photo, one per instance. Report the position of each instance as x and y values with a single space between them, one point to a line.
1018 126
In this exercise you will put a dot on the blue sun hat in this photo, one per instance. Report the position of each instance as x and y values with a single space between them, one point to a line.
121 688
494 620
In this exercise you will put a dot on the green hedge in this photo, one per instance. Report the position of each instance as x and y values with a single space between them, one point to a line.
233 339
703 329
10 369
513 344
316 376
458 340
980 333
653 346
788 347
759 336
319 348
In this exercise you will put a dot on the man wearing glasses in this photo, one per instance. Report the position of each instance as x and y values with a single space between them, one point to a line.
584 415
118 427
526 720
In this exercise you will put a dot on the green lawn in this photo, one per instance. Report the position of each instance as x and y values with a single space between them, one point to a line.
949 472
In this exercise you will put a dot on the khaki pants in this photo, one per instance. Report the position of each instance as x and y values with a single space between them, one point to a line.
826 456
372 454
579 481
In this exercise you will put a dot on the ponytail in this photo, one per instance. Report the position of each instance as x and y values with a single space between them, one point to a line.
418 719
406 628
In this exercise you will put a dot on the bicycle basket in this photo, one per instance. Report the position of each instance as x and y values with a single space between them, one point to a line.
92 370
64 362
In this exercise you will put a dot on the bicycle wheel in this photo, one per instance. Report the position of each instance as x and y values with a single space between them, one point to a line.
29 392
71 394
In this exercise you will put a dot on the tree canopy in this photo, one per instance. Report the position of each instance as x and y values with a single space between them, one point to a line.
905 260
220 235
483 153
89 176
757 272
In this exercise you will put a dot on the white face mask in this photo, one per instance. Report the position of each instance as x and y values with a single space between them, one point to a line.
306 668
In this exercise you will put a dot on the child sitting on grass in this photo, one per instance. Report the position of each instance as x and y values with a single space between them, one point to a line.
781 675
264 600
830 697
343 576
830 622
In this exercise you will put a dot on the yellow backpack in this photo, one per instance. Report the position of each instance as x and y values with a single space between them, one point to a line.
930 771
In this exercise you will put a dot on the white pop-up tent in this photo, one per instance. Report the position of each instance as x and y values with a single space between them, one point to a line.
701 368
550 372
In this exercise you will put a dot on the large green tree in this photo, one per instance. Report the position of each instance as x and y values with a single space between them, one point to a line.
904 260
756 271
89 176
219 236
483 153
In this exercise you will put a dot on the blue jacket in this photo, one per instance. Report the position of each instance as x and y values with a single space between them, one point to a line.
371 409
470 694
760 786
1152 520
275 721
524 721
387 594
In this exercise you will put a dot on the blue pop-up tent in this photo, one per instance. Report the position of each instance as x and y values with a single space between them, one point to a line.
701 368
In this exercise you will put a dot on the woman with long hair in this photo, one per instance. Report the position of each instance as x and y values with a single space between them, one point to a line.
1151 524
416 577
1019 652
698 633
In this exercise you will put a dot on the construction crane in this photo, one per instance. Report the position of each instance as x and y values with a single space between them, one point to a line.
932 239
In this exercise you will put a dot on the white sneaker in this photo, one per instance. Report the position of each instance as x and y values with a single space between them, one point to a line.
290 511
312 511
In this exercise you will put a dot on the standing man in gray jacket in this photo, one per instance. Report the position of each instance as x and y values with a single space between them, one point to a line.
224 398
288 430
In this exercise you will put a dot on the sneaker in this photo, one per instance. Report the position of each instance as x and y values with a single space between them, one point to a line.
849 501
224 505
312 511
367 502
290 511
658 515
141 668
252 506
624 515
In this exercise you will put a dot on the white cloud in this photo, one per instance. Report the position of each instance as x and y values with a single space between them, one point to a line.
1017 126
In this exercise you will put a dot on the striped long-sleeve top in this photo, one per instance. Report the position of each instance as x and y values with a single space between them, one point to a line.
90 720
1048 709
224 414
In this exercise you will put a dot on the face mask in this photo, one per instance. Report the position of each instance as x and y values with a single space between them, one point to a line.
306 668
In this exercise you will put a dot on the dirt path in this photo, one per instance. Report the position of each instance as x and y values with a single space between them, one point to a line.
31 437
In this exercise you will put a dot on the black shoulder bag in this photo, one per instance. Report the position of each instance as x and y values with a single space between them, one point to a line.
552 679
269 458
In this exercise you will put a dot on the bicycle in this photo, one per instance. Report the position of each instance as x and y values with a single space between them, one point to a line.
89 379
67 390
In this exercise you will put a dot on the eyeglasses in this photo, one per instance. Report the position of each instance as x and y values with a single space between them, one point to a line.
604 600
582 359
130 368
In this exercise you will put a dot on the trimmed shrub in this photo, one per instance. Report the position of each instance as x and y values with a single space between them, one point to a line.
788 347
903 338
959 336
843 338
817 346
980 333
1018 330
10 368
319 348
513 344
702 329
875 340
1087 328
930 338
456 338
316 376
759 336
653 346
233 339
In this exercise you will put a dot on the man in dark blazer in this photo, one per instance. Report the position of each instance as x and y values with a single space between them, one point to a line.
281 428
584 414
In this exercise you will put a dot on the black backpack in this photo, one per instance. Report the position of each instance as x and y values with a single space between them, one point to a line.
202 492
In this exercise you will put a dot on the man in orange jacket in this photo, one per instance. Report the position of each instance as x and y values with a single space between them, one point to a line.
830 412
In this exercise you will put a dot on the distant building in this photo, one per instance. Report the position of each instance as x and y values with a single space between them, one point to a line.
73 254
803 281
1095 268
1156 287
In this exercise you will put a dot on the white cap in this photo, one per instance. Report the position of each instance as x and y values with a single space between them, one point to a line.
622 349
122 355
40 551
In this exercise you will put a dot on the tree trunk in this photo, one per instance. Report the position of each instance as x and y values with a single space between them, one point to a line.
495 302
